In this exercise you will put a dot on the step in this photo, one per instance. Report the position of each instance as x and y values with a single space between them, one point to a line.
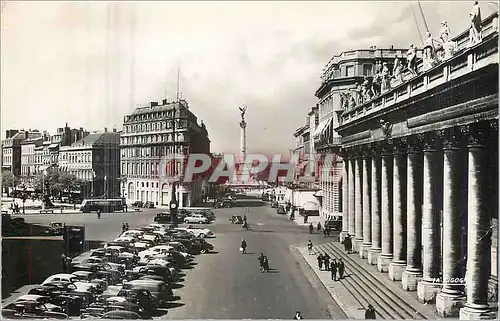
378 290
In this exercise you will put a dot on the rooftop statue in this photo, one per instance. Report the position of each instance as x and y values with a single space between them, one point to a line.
448 45
411 58
243 110
367 90
385 77
475 35
397 72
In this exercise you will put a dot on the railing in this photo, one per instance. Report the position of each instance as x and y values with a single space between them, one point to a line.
465 60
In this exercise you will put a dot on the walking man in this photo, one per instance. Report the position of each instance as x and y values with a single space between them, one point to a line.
370 312
326 259
64 264
319 227
311 228
310 247
320 261
341 268
333 269
244 246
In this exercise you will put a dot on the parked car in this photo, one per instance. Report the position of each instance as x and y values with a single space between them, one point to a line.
236 219
138 204
197 231
197 218
158 289
281 209
55 228
31 310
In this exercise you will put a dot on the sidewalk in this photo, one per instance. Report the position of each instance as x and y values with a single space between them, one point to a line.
337 289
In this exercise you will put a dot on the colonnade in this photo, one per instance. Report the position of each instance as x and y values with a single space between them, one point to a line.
405 206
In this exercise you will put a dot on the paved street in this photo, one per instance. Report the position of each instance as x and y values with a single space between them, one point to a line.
228 284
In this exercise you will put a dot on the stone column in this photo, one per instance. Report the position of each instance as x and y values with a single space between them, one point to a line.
385 257
398 264
413 273
479 227
367 219
376 248
352 230
345 201
428 288
450 299
358 203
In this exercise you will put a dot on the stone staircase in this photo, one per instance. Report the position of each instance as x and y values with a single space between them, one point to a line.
368 286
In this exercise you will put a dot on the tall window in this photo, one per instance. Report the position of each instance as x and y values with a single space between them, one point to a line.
367 69
349 71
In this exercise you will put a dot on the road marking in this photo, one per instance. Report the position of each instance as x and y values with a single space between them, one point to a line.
258 223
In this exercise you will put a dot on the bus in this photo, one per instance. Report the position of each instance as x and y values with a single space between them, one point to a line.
105 205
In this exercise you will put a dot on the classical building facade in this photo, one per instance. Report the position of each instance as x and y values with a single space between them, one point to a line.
96 160
420 176
11 148
28 157
342 85
304 150
147 139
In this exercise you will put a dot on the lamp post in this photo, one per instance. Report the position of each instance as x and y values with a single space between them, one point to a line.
92 184
43 188
173 202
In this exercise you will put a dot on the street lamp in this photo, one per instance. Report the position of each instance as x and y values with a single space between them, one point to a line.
92 184
43 188
173 202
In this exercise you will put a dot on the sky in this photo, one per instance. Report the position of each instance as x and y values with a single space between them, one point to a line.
90 63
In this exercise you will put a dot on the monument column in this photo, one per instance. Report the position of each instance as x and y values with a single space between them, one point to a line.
358 201
398 264
413 272
385 257
450 299
345 200
479 225
367 219
243 139
431 221
351 194
376 248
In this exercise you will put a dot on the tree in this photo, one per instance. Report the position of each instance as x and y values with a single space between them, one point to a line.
9 180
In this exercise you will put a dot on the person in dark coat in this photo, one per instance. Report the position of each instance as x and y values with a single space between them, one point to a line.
124 228
333 269
348 244
320 261
298 316
244 246
370 312
325 230
311 228
64 263
319 227
341 268
326 259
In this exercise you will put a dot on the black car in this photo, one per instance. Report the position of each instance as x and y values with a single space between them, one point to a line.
140 296
281 209
167 218
138 204
149 205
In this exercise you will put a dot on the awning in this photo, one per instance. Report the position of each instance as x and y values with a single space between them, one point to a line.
322 126
319 193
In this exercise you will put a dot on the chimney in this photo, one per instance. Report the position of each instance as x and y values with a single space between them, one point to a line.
114 130
105 129
154 103
164 101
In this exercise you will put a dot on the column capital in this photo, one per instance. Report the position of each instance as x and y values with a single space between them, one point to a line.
476 134
429 141
386 148
415 144
399 145
449 137
356 152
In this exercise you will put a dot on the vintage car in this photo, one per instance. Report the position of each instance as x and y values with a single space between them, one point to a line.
55 228
236 219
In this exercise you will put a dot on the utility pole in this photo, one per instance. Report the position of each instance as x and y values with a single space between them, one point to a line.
174 204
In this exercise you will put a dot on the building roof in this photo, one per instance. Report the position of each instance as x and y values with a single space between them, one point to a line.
32 140
98 139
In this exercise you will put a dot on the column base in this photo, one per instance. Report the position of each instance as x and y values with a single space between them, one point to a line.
410 279
449 305
356 245
427 291
365 248
383 262
477 313
396 270
373 255
342 236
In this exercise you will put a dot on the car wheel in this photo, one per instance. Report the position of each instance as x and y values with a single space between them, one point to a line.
203 251
201 235
186 221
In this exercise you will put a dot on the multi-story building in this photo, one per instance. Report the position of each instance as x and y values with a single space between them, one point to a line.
421 175
28 158
147 139
304 150
94 159
11 149
340 88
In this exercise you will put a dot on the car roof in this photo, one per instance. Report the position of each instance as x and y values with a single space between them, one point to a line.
30 297
62 275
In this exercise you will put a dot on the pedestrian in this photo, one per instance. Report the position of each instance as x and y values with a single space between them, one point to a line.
333 269
319 227
310 247
298 316
341 268
123 228
370 312
243 246
69 265
326 259
325 230
245 218
320 261
329 230
64 263
126 227
311 228
347 244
